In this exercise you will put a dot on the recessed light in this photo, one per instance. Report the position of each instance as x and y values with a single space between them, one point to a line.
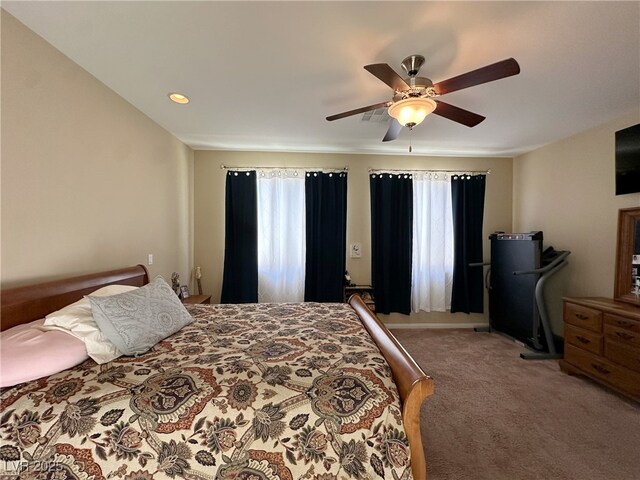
178 98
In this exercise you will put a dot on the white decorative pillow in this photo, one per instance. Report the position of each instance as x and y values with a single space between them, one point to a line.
135 321
77 320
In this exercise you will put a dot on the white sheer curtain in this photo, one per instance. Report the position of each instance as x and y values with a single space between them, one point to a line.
432 264
281 237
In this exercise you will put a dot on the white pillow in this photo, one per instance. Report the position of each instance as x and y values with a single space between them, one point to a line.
77 320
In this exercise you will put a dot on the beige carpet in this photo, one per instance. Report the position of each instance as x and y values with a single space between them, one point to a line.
496 416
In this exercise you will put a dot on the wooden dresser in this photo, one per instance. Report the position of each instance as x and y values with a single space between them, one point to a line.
602 341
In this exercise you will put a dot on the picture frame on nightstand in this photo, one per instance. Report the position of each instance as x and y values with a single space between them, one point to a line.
184 292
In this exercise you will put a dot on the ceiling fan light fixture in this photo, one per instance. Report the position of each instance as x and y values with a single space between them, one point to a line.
412 111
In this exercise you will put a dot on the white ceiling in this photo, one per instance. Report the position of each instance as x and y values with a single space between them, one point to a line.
264 75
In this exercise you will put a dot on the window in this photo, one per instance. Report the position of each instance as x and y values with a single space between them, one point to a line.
432 244
285 236
281 238
426 228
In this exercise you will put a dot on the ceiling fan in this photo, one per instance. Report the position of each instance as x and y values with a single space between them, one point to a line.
416 97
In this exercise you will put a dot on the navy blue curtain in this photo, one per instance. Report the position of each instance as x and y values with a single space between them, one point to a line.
391 241
467 195
240 280
326 236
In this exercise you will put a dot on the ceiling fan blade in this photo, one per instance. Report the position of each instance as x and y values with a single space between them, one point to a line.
495 71
457 114
357 111
388 75
393 132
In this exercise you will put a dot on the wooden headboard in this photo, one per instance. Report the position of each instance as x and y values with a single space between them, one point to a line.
31 302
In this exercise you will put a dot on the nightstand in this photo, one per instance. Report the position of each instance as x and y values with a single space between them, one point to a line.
194 299
365 292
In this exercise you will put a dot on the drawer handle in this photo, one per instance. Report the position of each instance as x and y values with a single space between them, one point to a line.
600 368
622 323
582 339
624 335
582 316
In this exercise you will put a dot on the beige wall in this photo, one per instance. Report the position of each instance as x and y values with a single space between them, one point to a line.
209 185
567 190
88 181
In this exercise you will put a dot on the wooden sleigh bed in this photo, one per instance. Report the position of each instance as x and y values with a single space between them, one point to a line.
25 304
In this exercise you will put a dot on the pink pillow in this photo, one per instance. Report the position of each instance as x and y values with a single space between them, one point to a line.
28 353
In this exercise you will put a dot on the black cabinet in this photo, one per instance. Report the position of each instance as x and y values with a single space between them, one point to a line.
512 303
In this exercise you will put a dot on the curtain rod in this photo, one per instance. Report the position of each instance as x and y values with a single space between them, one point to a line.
306 169
469 172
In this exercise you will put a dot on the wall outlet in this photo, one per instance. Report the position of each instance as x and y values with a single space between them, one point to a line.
150 259
355 250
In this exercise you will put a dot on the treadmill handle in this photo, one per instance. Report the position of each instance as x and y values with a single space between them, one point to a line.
479 264
560 258
487 276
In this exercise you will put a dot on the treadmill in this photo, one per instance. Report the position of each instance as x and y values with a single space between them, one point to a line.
519 270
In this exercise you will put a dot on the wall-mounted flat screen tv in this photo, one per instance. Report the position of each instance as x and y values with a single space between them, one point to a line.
628 160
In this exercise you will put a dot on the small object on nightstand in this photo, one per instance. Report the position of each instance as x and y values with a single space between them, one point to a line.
175 282
198 280
197 299
184 292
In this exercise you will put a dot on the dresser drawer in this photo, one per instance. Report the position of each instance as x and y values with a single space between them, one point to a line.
633 326
583 317
598 367
622 354
622 335
583 338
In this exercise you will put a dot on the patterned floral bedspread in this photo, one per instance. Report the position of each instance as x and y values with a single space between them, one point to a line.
251 392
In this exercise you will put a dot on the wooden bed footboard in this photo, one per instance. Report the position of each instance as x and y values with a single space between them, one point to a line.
413 384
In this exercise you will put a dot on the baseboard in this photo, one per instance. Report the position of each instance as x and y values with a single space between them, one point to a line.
399 326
